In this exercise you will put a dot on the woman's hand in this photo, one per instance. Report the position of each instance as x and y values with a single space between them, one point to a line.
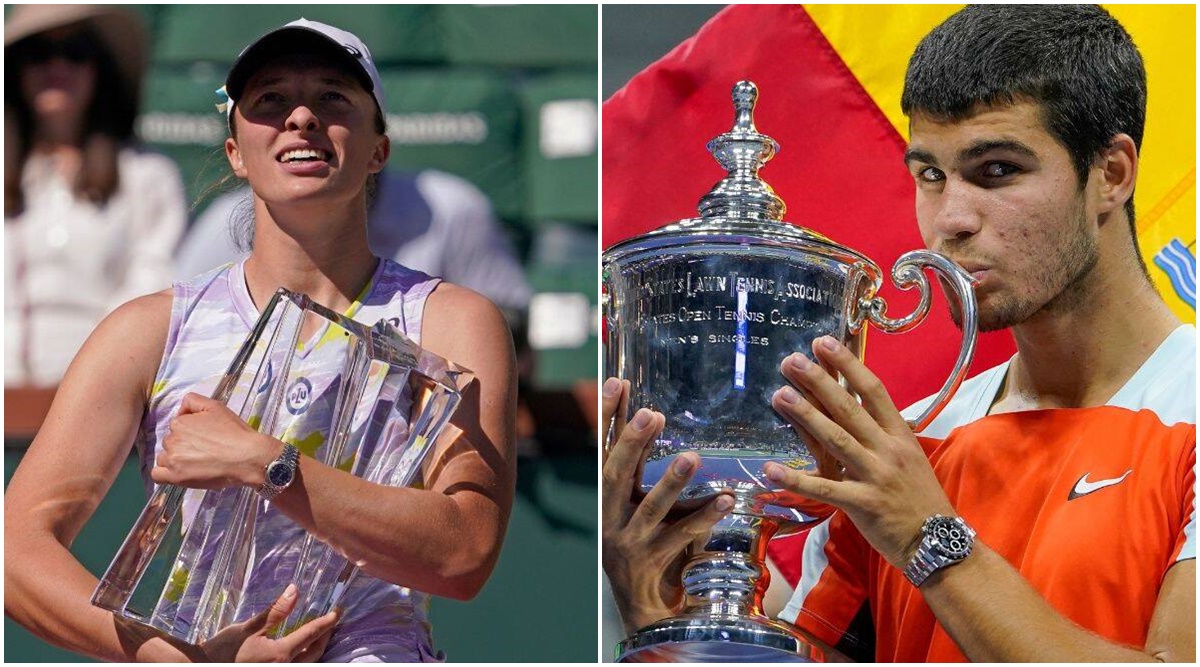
209 447
248 641
643 554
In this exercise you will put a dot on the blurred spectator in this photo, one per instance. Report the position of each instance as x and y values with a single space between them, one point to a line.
430 221
90 219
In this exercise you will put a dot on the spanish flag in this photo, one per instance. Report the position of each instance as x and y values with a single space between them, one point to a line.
830 79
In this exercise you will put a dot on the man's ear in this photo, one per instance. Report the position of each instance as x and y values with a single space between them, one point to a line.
235 158
379 158
1118 166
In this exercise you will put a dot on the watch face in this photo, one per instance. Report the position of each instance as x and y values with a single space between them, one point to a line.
951 537
279 474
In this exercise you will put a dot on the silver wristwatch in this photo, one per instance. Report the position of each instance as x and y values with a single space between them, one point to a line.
945 542
280 473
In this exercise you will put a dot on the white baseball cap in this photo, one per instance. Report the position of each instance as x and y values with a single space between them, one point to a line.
304 36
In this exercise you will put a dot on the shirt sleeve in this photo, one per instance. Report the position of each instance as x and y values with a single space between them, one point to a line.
1185 544
830 601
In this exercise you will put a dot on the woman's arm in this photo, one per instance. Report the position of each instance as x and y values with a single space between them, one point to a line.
66 472
443 539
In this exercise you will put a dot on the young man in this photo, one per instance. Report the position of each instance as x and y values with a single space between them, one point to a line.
1048 513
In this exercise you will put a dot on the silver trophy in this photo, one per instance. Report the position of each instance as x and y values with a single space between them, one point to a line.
699 315
363 399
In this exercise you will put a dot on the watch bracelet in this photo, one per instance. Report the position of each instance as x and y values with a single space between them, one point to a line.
926 561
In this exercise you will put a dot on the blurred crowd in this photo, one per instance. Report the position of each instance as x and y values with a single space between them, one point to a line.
93 218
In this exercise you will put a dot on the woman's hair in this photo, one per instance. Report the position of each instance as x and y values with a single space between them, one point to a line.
108 122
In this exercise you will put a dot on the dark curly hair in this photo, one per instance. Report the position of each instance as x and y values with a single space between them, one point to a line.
1076 62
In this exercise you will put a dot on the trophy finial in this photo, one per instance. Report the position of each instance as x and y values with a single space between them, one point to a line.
745 95
742 152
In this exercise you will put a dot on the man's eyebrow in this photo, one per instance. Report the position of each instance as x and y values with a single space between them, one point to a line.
985 146
918 155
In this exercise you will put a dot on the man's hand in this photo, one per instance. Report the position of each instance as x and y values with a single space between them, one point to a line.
642 554
209 447
888 488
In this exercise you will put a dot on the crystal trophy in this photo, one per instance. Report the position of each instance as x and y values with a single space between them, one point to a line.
363 399
699 316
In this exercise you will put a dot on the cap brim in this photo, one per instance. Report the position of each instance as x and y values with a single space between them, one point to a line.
290 40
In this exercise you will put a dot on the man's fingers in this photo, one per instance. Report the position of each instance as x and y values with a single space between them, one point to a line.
811 486
610 398
828 435
827 464
825 392
620 469
654 507
679 535
875 398
622 410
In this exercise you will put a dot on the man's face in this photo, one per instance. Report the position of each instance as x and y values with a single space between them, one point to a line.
998 194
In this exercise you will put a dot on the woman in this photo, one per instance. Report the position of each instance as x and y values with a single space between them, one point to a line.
306 125
90 219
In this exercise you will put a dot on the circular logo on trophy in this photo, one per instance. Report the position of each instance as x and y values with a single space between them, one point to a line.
299 395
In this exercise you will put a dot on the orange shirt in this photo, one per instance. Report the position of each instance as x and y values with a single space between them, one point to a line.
1091 506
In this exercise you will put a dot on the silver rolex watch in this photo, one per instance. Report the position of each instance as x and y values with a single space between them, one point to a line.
280 473
946 541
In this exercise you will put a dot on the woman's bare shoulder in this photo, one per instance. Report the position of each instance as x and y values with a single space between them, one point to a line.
453 310
131 339
458 300
462 315
147 316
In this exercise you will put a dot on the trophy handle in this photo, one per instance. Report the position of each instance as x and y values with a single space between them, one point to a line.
908 272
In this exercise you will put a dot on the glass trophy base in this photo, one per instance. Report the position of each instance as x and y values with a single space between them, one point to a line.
716 638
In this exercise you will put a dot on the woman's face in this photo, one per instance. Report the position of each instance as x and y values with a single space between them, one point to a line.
58 73
305 131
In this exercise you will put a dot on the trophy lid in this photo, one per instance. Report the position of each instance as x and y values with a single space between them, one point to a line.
742 207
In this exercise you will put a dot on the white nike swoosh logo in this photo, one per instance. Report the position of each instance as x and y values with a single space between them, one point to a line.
1084 486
